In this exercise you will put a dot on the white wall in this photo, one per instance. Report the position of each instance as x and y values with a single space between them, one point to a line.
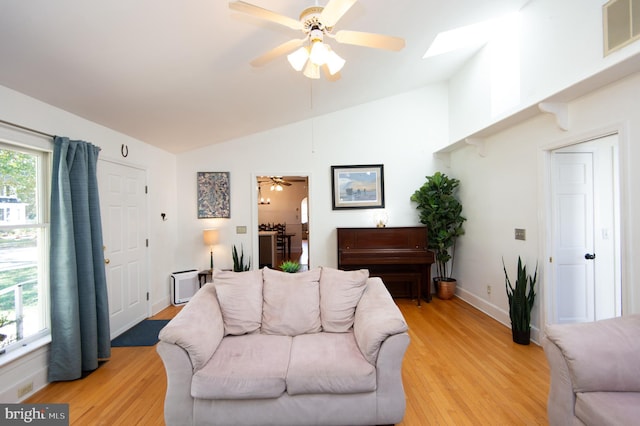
560 44
505 190
161 179
399 132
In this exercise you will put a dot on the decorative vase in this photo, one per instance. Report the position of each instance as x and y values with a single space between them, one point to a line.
521 337
446 288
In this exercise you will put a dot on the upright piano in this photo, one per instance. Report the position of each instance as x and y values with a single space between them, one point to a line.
398 255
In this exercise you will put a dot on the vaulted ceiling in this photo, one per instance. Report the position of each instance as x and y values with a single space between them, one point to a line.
176 74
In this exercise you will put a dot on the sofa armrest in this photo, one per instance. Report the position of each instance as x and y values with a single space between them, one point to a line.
178 403
198 328
561 401
390 408
602 355
377 317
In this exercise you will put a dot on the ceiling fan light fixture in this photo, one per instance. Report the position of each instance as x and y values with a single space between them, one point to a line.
316 22
298 58
334 62
319 53
312 71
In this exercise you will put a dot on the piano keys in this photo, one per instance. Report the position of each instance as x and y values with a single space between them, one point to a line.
398 255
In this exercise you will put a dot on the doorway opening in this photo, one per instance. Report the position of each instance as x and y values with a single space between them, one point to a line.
585 237
283 220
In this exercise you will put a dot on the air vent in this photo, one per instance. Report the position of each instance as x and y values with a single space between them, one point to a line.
621 20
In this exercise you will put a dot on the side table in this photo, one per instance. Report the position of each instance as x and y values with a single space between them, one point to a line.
202 276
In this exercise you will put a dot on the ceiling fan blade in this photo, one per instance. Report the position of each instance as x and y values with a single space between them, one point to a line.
334 10
261 13
377 41
283 49
328 75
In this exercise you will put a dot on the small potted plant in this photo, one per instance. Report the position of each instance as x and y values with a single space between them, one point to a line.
290 266
238 261
521 298
441 211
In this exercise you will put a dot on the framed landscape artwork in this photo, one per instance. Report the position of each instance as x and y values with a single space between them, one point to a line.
214 195
357 187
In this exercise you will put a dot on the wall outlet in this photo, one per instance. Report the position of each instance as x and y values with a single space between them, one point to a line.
23 390
489 289
521 234
241 229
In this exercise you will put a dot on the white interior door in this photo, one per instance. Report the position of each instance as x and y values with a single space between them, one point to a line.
586 269
573 231
123 210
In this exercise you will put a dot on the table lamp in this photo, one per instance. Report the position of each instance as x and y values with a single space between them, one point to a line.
210 237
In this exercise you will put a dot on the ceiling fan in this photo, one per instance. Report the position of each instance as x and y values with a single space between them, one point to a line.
316 23
276 182
279 180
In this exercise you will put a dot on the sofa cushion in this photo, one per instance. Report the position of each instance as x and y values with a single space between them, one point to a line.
240 298
612 346
608 408
244 367
340 292
291 302
328 363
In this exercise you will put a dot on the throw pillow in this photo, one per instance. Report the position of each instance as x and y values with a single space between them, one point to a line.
291 302
240 298
340 292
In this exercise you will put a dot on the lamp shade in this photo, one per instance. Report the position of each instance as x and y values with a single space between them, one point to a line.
319 52
311 71
334 62
210 236
298 58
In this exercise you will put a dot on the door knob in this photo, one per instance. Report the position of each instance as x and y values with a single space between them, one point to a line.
590 256
107 261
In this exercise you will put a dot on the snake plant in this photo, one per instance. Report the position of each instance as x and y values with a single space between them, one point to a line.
520 300
238 261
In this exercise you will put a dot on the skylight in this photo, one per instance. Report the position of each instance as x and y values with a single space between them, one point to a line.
471 36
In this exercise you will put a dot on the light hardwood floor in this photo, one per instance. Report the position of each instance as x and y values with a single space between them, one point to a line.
461 368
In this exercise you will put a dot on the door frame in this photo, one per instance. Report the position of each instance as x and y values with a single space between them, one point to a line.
546 214
254 208
145 227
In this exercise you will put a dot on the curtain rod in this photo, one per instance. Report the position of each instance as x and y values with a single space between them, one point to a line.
28 129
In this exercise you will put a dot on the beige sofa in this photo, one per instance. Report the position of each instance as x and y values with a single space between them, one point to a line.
263 347
595 372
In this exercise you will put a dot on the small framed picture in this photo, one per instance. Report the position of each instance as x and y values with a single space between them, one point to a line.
214 195
358 187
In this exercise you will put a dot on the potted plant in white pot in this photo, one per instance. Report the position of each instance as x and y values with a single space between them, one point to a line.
441 212
520 302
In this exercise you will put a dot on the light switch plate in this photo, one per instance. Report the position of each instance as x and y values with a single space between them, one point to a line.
521 234
241 229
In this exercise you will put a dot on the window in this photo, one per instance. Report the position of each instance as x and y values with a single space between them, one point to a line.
24 234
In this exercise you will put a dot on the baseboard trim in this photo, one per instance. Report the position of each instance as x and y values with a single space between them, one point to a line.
493 311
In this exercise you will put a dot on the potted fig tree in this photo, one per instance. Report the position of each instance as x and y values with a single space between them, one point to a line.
441 212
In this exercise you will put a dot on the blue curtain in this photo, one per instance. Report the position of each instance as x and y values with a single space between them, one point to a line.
79 306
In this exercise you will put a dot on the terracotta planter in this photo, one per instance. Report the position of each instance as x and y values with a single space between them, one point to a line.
446 288
521 337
